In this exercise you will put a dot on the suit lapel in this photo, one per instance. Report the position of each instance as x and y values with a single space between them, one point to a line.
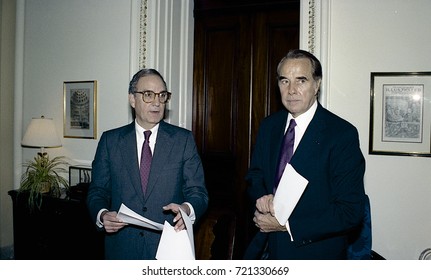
310 142
130 157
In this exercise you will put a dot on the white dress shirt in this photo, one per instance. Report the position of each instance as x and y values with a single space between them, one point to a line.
302 122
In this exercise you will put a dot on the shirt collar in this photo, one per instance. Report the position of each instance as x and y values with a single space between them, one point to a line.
140 131
303 120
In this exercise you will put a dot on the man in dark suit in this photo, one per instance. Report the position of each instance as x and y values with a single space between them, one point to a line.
326 153
176 177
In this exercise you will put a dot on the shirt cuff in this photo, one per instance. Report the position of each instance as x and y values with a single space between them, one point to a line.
98 221
192 215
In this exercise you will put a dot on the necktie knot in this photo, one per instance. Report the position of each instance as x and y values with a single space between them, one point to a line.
292 125
147 134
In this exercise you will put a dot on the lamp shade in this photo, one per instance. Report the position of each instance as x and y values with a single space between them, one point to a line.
41 133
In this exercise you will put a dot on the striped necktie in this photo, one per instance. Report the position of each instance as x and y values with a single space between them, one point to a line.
146 158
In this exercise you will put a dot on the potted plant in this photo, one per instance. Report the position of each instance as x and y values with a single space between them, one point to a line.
43 177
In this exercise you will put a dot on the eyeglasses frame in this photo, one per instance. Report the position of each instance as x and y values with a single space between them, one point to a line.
155 94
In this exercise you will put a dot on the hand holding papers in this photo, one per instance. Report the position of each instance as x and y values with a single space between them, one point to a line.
289 190
177 245
128 216
173 245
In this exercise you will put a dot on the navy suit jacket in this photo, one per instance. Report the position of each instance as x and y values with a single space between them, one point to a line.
329 157
176 176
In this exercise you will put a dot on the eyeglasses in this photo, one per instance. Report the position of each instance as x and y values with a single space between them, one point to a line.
149 96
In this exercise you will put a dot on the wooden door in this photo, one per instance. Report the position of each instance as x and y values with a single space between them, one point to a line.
238 45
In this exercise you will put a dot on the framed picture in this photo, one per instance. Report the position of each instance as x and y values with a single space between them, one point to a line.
79 182
79 175
400 115
80 109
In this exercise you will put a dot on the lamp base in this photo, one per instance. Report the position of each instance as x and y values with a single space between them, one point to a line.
42 155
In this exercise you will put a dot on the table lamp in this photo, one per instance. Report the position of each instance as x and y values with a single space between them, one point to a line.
41 133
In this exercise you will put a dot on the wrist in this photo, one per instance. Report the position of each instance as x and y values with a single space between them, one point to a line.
102 215
186 208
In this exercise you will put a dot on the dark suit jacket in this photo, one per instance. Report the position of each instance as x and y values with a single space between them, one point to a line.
176 176
329 157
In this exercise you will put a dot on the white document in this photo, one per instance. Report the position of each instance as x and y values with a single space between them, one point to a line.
288 193
131 217
177 245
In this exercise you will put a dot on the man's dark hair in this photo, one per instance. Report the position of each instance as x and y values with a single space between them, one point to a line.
143 73
296 54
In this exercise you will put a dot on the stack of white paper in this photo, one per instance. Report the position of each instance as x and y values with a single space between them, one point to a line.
129 216
287 195
173 245
177 245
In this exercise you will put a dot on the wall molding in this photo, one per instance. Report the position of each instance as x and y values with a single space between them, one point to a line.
315 38
166 44
311 26
143 34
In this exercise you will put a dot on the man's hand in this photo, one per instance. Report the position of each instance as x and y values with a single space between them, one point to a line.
264 216
110 221
178 220
265 204
267 222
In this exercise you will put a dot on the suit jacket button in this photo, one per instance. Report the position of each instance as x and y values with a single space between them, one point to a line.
141 234
144 209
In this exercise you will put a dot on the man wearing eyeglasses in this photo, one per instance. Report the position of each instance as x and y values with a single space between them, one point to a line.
173 179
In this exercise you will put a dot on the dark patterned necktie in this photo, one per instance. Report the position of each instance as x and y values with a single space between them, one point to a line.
146 158
286 151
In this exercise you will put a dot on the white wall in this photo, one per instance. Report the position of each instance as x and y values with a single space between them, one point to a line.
74 41
99 40
383 36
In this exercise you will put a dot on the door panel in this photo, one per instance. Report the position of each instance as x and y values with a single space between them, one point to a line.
221 101
236 52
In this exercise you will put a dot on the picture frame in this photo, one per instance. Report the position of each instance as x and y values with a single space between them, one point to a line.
79 175
80 109
79 182
400 114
